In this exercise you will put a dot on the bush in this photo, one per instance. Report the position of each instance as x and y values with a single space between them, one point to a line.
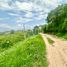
6 44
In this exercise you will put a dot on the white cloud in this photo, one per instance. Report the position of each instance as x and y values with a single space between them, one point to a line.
29 14
9 27
23 20
4 5
41 17
51 3
19 25
5 26
28 6
13 14
37 7
24 5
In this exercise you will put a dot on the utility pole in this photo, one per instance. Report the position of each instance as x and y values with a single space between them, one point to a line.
24 31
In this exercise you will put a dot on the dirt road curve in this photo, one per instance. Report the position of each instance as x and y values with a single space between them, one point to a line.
56 53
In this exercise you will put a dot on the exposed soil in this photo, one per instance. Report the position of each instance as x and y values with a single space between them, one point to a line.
57 52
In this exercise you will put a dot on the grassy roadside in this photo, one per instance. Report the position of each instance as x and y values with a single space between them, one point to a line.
50 41
30 53
64 36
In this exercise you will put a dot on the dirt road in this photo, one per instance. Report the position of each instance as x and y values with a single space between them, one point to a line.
57 52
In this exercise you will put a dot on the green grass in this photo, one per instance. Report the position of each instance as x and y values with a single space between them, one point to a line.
29 53
8 40
50 41
62 35
65 36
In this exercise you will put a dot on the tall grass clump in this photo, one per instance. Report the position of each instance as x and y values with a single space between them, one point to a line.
29 53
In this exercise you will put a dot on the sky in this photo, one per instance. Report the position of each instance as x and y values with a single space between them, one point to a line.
16 13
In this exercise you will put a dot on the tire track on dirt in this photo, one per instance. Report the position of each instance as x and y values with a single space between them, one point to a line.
56 55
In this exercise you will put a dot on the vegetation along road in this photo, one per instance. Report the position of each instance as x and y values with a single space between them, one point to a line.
56 52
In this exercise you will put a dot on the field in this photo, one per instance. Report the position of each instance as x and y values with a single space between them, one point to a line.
28 53
8 40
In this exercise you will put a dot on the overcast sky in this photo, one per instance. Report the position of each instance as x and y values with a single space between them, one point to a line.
15 13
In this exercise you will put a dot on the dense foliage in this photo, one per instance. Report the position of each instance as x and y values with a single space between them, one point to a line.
37 29
29 53
57 20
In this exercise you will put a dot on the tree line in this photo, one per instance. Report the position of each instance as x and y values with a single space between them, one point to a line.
57 20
